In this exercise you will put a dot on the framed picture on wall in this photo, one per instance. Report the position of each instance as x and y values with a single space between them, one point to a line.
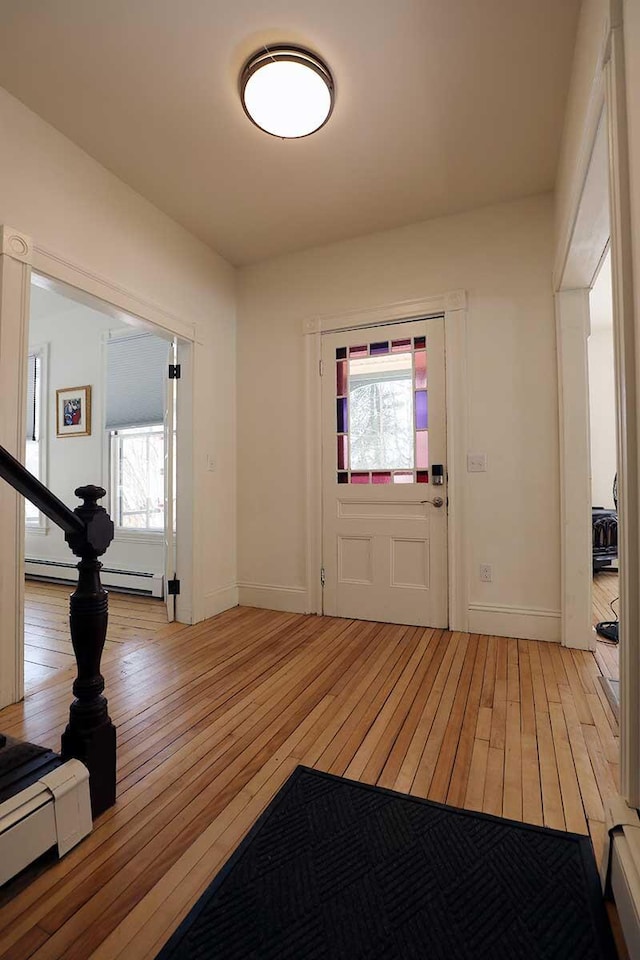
73 412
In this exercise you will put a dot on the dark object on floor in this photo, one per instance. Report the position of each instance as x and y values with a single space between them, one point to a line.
604 532
22 764
604 536
608 630
336 869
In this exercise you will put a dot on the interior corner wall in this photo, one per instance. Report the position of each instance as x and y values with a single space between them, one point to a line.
502 257
73 207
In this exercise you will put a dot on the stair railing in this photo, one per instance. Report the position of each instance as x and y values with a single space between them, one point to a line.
90 736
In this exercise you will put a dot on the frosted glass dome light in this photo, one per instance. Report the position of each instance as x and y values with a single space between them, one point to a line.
287 91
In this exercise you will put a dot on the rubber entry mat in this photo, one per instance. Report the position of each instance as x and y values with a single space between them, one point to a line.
337 869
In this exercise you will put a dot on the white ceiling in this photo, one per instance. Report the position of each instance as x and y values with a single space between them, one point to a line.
442 106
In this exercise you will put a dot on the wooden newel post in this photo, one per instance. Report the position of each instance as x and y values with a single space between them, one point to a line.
90 735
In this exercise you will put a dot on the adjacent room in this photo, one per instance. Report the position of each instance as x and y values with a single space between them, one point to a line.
96 413
604 470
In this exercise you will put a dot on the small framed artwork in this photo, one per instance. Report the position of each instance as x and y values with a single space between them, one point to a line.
73 412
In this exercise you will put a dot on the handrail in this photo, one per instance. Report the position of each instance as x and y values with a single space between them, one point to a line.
40 496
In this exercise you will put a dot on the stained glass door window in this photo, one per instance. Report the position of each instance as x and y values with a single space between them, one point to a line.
382 418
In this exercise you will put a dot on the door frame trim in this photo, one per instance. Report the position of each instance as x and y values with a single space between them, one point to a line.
453 307
22 255
573 276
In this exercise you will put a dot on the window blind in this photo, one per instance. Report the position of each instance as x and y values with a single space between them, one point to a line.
136 377
33 396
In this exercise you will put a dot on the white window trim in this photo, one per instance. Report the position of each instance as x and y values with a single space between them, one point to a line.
41 526
122 533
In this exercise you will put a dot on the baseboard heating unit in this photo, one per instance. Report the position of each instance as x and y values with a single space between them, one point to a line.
133 581
53 811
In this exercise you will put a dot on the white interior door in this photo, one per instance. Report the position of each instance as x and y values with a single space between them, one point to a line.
170 559
383 446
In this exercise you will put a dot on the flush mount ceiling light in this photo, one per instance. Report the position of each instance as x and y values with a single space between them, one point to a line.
287 91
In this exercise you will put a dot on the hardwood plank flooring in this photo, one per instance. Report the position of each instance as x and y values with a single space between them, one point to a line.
47 644
213 718
605 592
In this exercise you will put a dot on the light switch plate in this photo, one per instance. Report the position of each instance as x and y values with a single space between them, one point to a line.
476 463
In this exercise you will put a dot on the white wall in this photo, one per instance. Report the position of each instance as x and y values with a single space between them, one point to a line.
502 256
74 335
76 209
602 399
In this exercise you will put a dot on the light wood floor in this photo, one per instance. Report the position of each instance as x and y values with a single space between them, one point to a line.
47 646
213 718
605 592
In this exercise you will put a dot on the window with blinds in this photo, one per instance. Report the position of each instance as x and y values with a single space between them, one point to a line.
137 369
136 380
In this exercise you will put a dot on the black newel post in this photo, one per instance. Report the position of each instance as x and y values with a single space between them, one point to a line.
90 735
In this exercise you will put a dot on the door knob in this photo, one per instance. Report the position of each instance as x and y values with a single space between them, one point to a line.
437 501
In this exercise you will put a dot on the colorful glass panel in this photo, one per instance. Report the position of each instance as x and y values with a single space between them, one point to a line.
379 348
371 382
343 453
341 419
422 450
422 417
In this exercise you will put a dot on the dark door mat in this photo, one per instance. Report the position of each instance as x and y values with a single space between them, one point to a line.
612 693
336 869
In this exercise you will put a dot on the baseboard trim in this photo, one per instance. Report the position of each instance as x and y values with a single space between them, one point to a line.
526 623
273 597
219 600
57 571
625 886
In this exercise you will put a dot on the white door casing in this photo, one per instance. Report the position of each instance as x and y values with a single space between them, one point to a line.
385 543
170 560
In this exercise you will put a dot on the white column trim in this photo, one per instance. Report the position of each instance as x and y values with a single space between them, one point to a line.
572 332
628 424
15 273
455 334
16 245
452 306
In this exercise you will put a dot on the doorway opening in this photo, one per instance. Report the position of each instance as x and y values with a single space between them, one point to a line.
604 473
101 410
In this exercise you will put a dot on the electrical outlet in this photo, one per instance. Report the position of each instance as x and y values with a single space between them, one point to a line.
476 463
485 572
